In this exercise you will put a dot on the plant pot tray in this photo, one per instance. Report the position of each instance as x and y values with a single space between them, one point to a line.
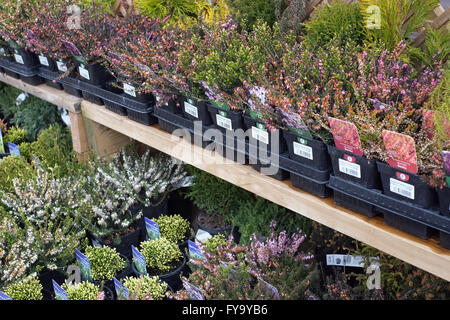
427 217
28 74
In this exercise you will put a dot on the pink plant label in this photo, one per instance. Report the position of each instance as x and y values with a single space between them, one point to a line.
401 150
345 136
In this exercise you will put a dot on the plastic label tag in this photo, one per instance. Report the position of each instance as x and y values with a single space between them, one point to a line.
130 90
4 296
224 122
18 58
43 60
2 147
13 149
60 293
139 261
152 228
402 188
303 150
352 169
2 52
260 135
61 66
190 109
121 290
84 72
402 151
193 292
345 136
194 251
85 265
348 260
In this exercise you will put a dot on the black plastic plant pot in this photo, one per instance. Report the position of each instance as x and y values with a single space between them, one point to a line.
53 84
407 225
314 187
113 86
12 74
405 186
95 74
262 136
124 247
3 155
115 107
444 240
48 63
225 119
311 152
351 203
142 116
92 98
34 80
131 93
149 213
46 277
172 278
173 106
215 231
444 201
73 91
280 174
25 57
196 110
359 170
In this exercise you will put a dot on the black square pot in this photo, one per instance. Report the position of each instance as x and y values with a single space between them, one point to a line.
225 120
414 190
73 91
311 152
316 188
409 226
34 80
261 135
173 106
47 63
444 201
142 116
444 240
12 74
25 57
368 172
92 98
95 74
195 110
138 96
54 84
351 203
280 175
115 107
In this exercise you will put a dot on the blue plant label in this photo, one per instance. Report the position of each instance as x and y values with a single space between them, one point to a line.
121 290
194 251
13 149
152 229
85 265
193 292
4 296
2 147
37 161
139 261
60 293
95 243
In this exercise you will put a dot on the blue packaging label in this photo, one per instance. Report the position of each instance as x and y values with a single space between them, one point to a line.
4 296
85 265
60 293
152 229
13 149
121 290
139 261
194 251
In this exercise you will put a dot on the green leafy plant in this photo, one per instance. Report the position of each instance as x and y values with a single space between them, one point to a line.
173 227
105 262
26 290
15 135
82 291
216 242
14 168
161 255
339 21
145 288
436 48
247 12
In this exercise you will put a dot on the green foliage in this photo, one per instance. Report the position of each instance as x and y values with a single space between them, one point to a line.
81 291
26 290
15 135
145 288
161 254
105 262
440 102
215 196
173 227
182 11
436 48
339 21
399 19
33 114
213 243
255 217
13 167
247 12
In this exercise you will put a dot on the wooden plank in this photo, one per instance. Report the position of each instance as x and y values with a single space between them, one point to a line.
427 255
79 138
437 23
45 92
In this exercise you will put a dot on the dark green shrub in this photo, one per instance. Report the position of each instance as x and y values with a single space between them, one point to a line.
15 135
12 168
247 12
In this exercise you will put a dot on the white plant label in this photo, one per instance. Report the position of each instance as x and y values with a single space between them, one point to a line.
190 109
260 134
224 122
43 61
352 169
84 73
18 58
348 260
130 90
2 52
61 66
402 188
303 151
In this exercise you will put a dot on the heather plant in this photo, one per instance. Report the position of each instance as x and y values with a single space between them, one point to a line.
145 288
161 255
25 290
105 262
82 291
174 227
247 12
12 168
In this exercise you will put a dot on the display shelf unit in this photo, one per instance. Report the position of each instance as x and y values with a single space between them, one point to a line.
103 131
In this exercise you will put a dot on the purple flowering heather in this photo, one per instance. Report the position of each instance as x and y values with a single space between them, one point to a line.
446 157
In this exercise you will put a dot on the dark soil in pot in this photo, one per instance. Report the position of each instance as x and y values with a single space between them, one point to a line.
46 277
213 224
128 237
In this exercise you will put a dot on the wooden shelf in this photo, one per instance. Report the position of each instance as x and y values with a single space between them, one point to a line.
425 254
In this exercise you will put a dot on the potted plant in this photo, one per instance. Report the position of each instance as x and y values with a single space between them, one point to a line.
145 288
164 259
30 289
86 290
175 228
106 263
